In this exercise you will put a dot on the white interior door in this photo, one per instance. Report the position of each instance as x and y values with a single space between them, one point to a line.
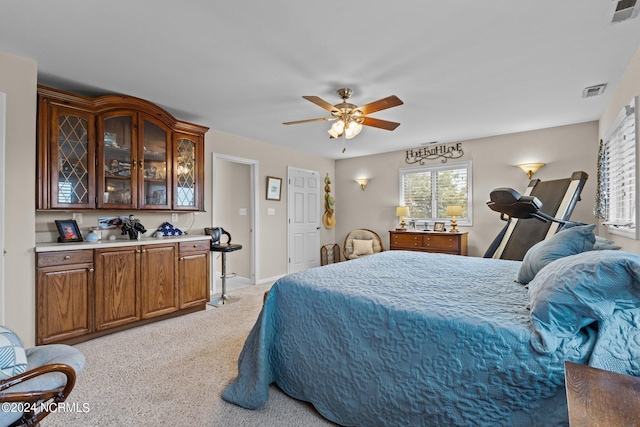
304 219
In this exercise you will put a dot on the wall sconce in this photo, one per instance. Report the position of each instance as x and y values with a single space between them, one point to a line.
530 168
453 211
363 182
402 211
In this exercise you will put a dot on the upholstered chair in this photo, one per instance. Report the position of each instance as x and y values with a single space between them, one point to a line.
361 242
40 377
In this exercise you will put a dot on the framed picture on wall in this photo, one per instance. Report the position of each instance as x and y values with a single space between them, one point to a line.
68 231
274 188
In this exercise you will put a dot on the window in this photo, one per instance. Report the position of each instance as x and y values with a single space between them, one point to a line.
617 171
427 191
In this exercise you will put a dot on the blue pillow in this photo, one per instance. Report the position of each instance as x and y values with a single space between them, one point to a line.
13 359
564 243
575 291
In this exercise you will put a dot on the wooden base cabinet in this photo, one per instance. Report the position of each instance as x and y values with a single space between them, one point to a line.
83 294
117 287
194 273
429 241
159 280
64 295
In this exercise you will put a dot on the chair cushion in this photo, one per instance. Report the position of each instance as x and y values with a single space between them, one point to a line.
362 247
49 354
13 359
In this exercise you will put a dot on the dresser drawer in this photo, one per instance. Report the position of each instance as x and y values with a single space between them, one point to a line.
441 242
196 246
49 259
406 240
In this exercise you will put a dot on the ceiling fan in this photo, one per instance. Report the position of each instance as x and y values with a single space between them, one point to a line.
350 118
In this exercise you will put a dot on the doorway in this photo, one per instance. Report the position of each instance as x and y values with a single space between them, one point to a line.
234 204
304 219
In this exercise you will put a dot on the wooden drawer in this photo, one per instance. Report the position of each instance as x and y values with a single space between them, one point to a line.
48 259
197 246
406 240
440 242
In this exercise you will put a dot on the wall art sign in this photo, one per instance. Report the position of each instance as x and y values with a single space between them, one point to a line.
444 152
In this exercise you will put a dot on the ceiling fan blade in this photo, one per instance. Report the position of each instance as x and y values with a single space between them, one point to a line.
321 119
381 104
321 103
377 123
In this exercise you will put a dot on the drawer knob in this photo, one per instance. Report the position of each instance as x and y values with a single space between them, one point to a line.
67 257
91 270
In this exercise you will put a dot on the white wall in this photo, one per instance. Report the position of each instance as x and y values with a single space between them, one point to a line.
628 87
564 149
18 81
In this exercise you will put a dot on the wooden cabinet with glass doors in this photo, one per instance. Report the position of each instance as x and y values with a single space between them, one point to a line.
116 152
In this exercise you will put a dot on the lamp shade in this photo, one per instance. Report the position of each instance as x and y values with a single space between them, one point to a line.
530 168
362 181
402 211
454 210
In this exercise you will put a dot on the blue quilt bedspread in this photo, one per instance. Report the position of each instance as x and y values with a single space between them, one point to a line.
407 339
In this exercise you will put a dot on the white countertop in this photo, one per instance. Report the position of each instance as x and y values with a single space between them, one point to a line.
71 246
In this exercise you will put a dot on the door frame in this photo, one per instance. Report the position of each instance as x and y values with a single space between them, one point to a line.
255 185
289 203
3 109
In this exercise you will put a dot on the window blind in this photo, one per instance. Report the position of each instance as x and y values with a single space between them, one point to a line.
428 191
618 171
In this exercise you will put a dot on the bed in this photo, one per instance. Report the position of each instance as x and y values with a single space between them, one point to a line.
407 338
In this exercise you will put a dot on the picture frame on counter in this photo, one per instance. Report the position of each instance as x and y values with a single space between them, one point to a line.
68 231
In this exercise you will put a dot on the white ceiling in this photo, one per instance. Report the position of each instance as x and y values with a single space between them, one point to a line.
464 69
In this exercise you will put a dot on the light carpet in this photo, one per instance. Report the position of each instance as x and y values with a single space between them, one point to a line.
172 373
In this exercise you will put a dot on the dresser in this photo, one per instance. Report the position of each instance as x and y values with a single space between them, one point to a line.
429 241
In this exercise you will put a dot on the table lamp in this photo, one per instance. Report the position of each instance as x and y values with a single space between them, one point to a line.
453 211
402 211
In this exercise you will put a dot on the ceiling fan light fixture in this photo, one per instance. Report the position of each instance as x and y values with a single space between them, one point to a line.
353 129
337 129
349 117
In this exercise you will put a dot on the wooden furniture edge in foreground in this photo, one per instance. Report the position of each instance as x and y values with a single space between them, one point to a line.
596 397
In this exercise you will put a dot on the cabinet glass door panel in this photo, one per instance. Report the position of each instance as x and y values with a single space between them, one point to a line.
117 147
73 171
155 146
185 173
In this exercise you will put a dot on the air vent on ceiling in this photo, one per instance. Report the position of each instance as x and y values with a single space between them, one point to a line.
622 10
593 90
